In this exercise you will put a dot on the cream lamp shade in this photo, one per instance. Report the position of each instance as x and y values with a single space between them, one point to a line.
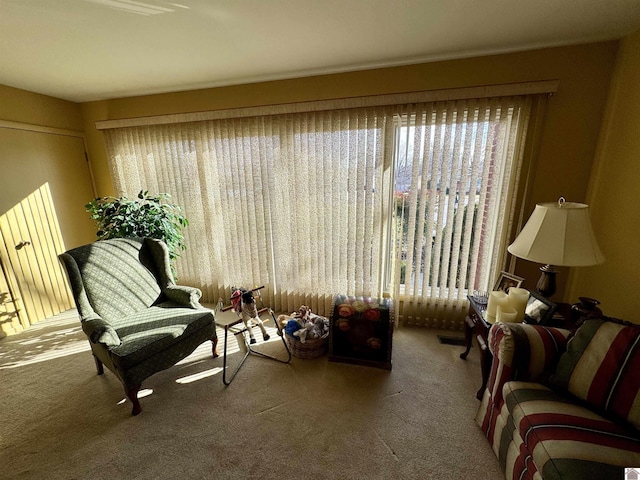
558 233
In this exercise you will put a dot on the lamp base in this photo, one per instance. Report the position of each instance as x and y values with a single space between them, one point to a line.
547 284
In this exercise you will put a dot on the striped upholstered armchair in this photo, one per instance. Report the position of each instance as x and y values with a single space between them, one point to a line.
137 320
563 406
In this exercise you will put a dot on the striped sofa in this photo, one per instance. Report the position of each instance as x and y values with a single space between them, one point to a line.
563 406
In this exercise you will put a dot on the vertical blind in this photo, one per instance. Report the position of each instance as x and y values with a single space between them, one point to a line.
298 203
412 200
458 167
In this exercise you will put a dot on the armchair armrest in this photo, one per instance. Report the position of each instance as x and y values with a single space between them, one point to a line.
182 295
100 331
522 352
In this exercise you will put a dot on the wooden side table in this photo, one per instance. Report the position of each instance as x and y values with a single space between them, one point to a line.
476 326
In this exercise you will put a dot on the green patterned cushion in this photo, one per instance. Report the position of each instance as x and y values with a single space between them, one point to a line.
115 280
601 367
154 330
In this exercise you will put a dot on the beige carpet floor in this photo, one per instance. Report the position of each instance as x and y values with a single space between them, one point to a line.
308 419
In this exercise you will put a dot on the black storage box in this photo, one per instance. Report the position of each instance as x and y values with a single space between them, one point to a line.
361 331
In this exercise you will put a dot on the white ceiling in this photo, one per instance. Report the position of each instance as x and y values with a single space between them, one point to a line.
84 50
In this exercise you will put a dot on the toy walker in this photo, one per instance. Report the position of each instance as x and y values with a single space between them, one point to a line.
245 304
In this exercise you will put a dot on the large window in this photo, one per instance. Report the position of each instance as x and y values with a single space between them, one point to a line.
455 178
409 200
296 202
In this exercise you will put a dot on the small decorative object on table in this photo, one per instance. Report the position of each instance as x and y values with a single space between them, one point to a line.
481 296
497 298
585 309
518 298
539 310
507 280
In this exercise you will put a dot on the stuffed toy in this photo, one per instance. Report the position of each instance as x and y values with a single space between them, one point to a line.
292 327
312 326
304 324
244 305
303 315
304 331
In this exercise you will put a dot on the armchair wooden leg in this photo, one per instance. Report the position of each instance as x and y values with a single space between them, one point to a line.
132 394
214 347
99 365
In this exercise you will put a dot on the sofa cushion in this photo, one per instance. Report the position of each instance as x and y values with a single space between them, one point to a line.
154 330
567 440
601 367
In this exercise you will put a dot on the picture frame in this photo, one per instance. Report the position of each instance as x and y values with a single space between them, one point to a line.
539 310
507 280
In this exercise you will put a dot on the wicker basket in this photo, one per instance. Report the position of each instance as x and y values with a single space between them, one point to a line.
310 348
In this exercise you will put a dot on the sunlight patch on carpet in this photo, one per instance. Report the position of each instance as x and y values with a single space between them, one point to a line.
199 376
38 355
145 392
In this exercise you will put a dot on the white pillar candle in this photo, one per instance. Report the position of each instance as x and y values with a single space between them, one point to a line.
496 298
506 314
518 298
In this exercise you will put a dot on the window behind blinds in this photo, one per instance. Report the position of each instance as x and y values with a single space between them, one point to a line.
413 200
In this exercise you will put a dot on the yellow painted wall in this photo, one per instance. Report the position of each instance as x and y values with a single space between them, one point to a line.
28 158
26 107
614 195
569 138
42 162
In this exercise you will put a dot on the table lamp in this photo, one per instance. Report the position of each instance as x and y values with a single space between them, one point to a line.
557 233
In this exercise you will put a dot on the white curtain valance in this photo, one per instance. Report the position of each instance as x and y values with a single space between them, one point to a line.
486 91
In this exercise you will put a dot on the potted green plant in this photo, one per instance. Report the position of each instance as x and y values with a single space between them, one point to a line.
145 216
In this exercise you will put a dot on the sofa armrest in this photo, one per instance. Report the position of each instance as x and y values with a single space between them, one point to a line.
522 352
100 331
183 295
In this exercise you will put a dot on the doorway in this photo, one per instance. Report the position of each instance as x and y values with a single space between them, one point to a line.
45 185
